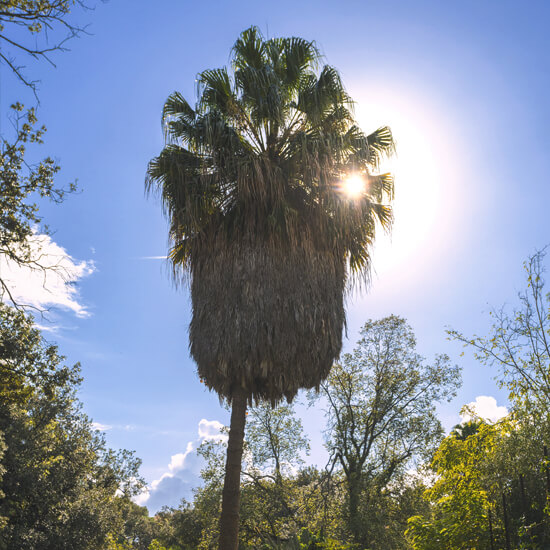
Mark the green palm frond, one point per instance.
(249, 50)
(176, 106)
(216, 91)
(380, 144)
(265, 149)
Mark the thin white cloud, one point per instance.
(54, 329)
(50, 285)
(484, 407)
(183, 471)
(152, 258)
(101, 427)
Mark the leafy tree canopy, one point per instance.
(380, 405)
(62, 487)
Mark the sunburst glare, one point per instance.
(353, 186)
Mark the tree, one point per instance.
(519, 344)
(381, 415)
(41, 18)
(489, 490)
(19, 216)
(461, 502)
(61, 483)
(250, 180)
(178, 528)
(275, 438)
(271, 496)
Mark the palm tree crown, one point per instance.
(250, 180)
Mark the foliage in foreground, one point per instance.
(61, 486)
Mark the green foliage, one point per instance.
(178, 528)
(479, 467)
(61, 483)
(502, 465)
(275, 438)
(460, 494)
(277, 502)
(307, 540)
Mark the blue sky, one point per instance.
(464, 87)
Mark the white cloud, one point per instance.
(52, 284)
(485, 407)
(211, 429)
(101, 427)
(183, 471)
(177, 462)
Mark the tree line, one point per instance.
(393, 480)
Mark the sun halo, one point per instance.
(353, 186)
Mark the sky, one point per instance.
(463, 86)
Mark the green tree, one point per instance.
(380, 405)
(251, 181)
(137, 529)
(61, 483)
(489, 489)
(518, 344)
(276, 439)
(461, 503)
(174, 528)
(271, 497)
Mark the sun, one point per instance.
(353, 186)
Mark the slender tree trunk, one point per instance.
(491, 537)
(547, 470)
(506, 526)
(353, 494)
(229, 519)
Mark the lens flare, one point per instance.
(354, 186)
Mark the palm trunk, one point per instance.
(229, 519)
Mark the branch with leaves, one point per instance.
(519, 343)
(44, 21)
(20, 218)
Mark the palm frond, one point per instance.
(176, 106)
(216, 91)
(249, 49)
(380, 143)
(381, 187)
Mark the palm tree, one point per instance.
(250, 181)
